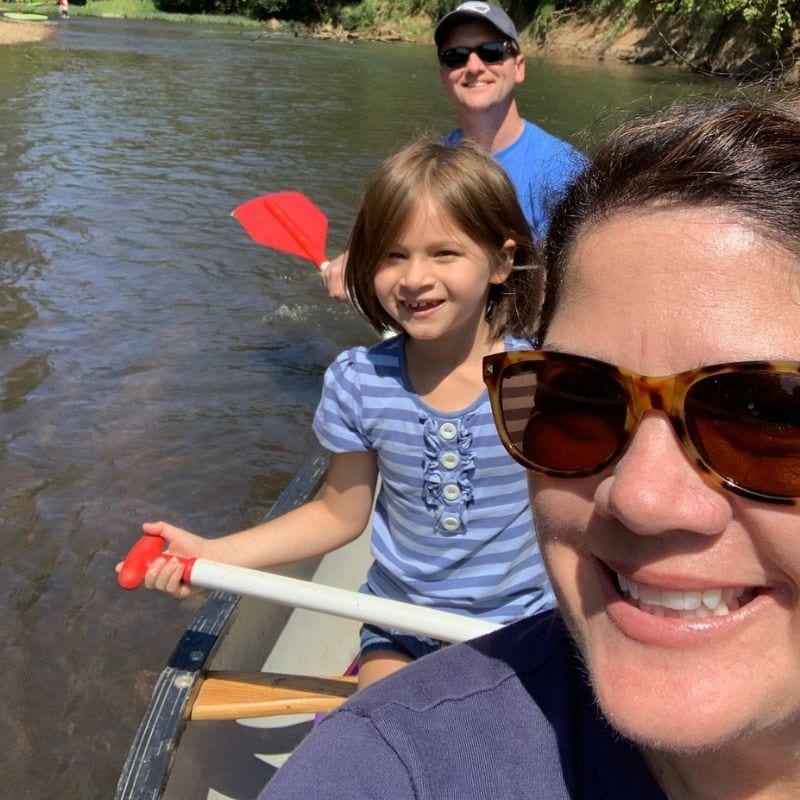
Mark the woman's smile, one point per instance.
(684, 603)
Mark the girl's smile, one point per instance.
(420, 307)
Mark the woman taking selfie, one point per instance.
(660, 424)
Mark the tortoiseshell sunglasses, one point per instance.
(570, 416)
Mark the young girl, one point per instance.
(432, 254)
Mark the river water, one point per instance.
(154, 362)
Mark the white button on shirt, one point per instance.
(448, 431)
(451, 492)
(450, 523)
(449, 460)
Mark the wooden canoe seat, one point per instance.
(239, 695)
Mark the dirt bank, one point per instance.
(13, 32)
(659, 39)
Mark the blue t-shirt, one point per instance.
(452, 525)
(540, 166)
(508, 716)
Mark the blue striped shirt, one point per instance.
(452, 526)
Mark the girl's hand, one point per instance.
(165, 573)
(178, 541)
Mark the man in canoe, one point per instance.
(480, 65)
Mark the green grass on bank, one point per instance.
(132, 9)
(354, 19)
(125, 9)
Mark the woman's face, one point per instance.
(661, 291)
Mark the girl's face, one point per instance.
(660, 291)
(434, 281)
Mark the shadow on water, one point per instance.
(153, 361)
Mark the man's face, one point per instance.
(478, 87)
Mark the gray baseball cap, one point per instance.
(475, 10)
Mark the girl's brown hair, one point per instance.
(467, 185)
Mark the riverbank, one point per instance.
(16, 32)
(648, 38)
(738, 52)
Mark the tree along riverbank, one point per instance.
(722, 46)
(730, 49)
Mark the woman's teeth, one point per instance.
(685, 605)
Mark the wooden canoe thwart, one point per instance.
(237, 695)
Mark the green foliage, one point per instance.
(300, 10)
(542, 19)
(626, 7)
(372, 13)
(358, 16)
(303, 10)
(775, 18)
(619, 10)
(436, 9)
(185, 6)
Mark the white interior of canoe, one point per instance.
(233, 760)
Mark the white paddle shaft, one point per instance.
(339, 602)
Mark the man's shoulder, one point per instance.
(532, 134)
(454, 136)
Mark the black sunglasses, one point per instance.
(488, 52)
(570, 417)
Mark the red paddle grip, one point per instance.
(141, 556)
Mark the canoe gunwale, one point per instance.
(146, 768)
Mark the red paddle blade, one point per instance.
(286, 221)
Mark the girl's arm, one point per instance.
(315, 528)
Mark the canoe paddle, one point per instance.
(292, 592)
(286, 221)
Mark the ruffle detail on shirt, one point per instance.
(449, 516)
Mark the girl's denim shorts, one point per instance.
(408, 644)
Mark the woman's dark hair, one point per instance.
(468, 186)
(740, 155)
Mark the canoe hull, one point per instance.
(228, 633)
